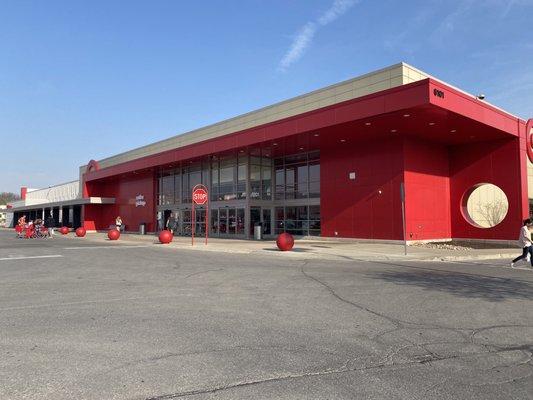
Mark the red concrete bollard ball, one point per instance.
(80, 232)
(285, 241)
(63, 230)
(165, 237)
(113, 234)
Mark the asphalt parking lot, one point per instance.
(85, 320)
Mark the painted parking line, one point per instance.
(30, 257)
(118, 246)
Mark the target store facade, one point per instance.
(347, 161)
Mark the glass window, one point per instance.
(195, 178)
(290, 182)
(314, 171)
(177, 188)
(226, 175)
(314, 213)
(205, 177)
(298, 220)
(166, 190)
(255, 181)
(255, 172)
(290, 213)
(296, 158)
(314, 189)
(280, 183)
(301, 213)
(241, 176)
(266, 182)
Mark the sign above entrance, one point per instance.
(199, 196)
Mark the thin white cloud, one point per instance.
(305, 35)
(338, 8)
(300, 43)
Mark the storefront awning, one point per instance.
(66, 203)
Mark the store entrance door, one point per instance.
(260, 215)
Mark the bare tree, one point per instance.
(492, 212)
(6, 197)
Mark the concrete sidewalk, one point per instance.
(314, 248)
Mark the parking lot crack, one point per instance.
(203, 272)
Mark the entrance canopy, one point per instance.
(67, 203)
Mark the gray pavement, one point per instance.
(94, 319)
(322, 248)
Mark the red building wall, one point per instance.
(124, 190)
(495, 162)
(369, 206)
(427, 190)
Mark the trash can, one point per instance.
(258, 231)
(142, 228)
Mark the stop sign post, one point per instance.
(200, 197)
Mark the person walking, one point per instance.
(524, 240)
(118, 223)
(22, 221)
(160, 222)
(50, 223)
(172, 223)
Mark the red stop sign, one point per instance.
(199, 196)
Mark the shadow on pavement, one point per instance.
(295, 250)
(487, 288)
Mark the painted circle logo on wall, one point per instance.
(92, 165)
(529, 139)
(199, 196)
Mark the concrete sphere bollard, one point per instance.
(113, 234)
(165, 237)
(285, 241)
(80, 232)
(63, 230)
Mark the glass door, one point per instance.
(232, 221)
(240, 221)
(255, 217)
(214, 221)
(223, 221)
(266, 221)
(199, 228)
(185, 223)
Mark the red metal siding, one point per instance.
(495, 162)
(124, 190)
(427, 188)
(356, 208)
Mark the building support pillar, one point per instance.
(60, 215)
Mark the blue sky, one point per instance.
(88, 79)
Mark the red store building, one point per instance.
(333, 163)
